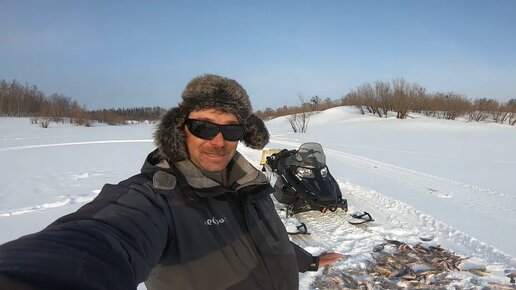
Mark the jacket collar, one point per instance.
(240, 174)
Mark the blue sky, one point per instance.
(142, 53)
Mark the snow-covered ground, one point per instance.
(452, 181)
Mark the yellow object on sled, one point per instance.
(267, 152)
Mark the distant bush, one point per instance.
(300, 117)
(402, 97)
(398, 95)
(18, 100)
(44, 123)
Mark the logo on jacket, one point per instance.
(215, 221)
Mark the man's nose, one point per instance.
(218, 140)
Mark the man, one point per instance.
(198, 216)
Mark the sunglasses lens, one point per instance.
(203, 130)
(233, 132)
(207, 131)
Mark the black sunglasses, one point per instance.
(207, 130)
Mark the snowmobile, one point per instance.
(302, 181)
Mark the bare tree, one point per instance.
(482, 108)
(366, 92)
(300, 119)
(499, 114)
(315, 100)
(353, 99)
(44, 123)
(326, 104)
(455, 106)
(19, 100)
(511, 108)
(79, 115)
(383, 96)
(401, 97)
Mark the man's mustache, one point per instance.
(217, 151)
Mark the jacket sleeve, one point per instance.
(112, 242)
(305, 260)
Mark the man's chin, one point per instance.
(214, 166)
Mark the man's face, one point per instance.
(211, 155)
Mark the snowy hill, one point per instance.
(451, 181)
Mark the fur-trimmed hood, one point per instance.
(208, 92)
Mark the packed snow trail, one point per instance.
(417, 188)
(51, 172)
(395, 219)
(74, 144)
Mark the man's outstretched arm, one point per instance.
(111, 243)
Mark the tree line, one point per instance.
(23, 100)
(379, 98)
(402, 97)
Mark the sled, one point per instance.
(303, 182)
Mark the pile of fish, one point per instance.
(397, 265)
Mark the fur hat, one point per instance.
(208, 92)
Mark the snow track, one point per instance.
(63, 201)
(51, 172)
(73, 144)
(409, 189)
(435, 185)
(400, 220)
(394, 220)
(457, 192)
